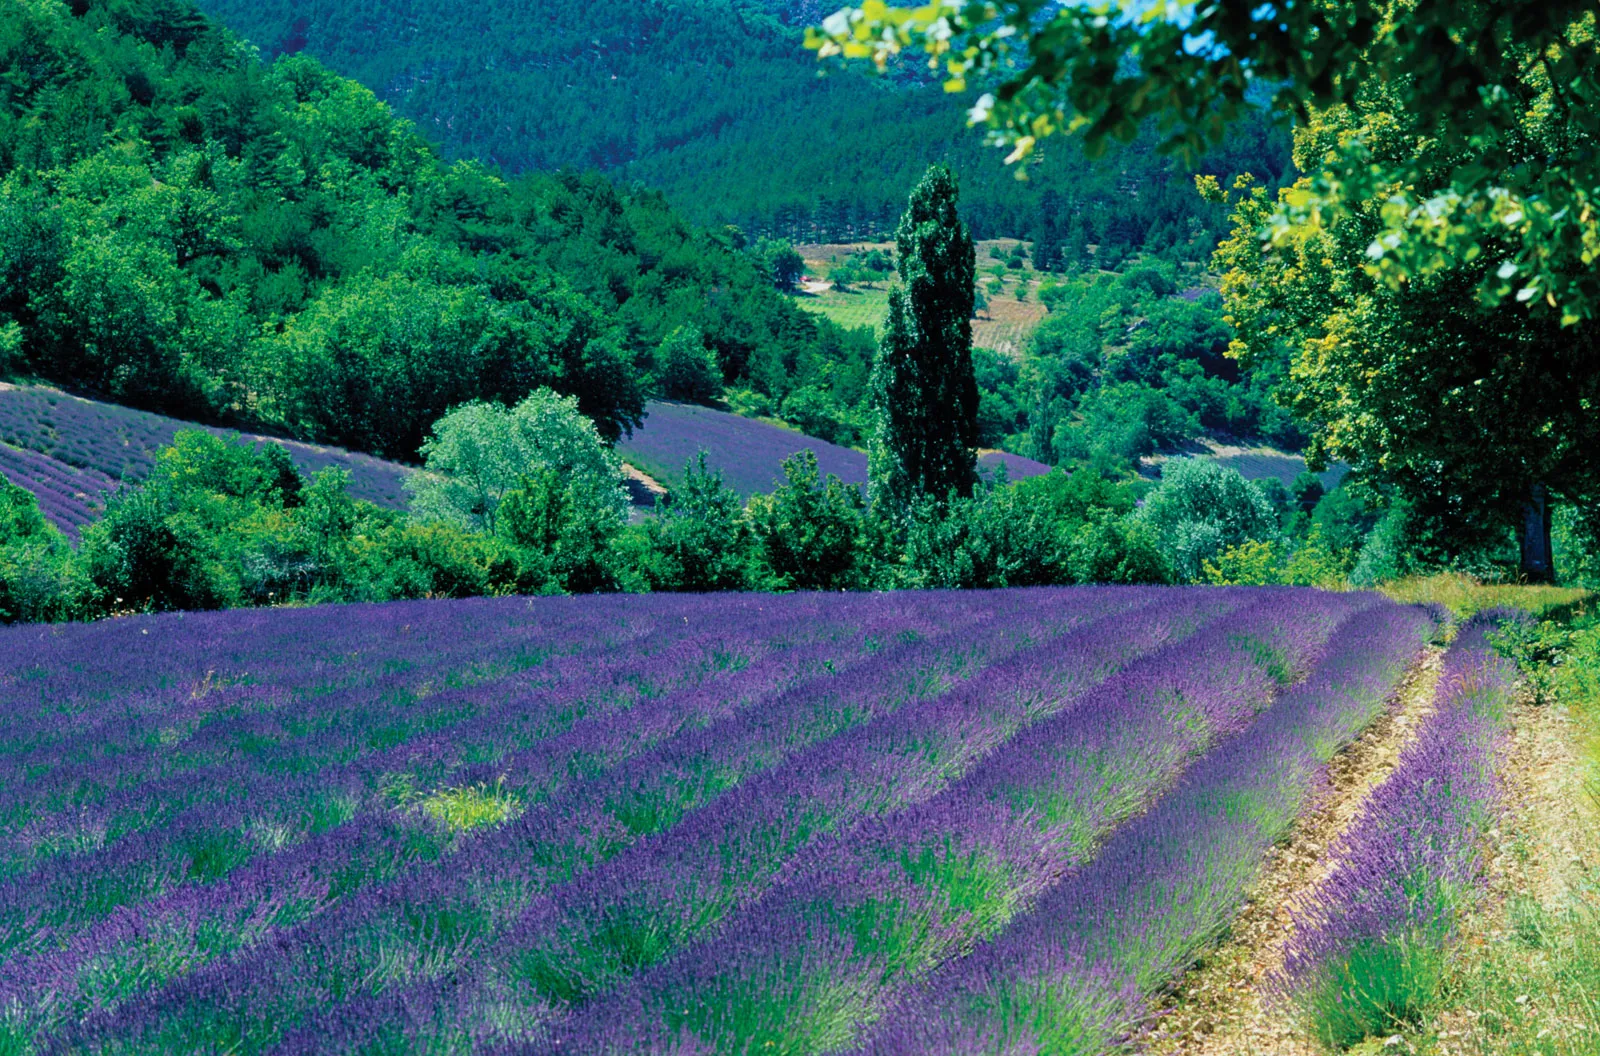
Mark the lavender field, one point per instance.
(69, 496)
(1369, 944)
(750, 453)
(68, 451)
(909, 823)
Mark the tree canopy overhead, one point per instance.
(1477, 418)
(1509, 90)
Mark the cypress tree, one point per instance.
(924, 394)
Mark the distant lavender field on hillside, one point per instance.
(896, 823)
(91, 446)
(68, 496)
(750, 453)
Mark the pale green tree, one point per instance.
(1201, 509)
(479, 453)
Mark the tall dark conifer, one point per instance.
(925, 397)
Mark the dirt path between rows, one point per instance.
(1219, 1008)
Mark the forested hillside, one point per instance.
(186, 229)
(719, 106)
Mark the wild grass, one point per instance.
(1536, 993)
(1463, 595)
(471, 806)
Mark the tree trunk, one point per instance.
(1538, 559)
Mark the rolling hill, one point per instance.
(750, 452)
(67, 450)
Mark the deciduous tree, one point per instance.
(480, 452)
(1481, 418)
(1471, 78)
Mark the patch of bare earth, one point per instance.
(1222, 1007)
(644, 491)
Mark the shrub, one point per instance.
(1001, 537)
(565, 532)
(479, 452)
(1111, 549)
(35, 575)
(1250, 563)
(698, 540)
(148, 553)
(1386, 554)
(1201, 509)
(412, 559)
(810, 532)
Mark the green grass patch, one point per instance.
(471, 807)
(1463, 595)
(859, 307)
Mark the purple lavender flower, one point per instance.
(919, 822)
(1368, 947)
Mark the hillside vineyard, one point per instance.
(623, 824)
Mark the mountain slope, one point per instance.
(717, 103)
(186, 230)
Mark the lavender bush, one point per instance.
(1368, 949)
(587, 936)
(874, 911)
(1073, 975)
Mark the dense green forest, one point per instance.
(186, 229)
(1127, 364)
(717, 104)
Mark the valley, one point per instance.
(717, 527)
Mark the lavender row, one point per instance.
(1368, 945)
(666, 891)
(166, 680)
(123, 772)
(215, 796)
(585, 824)
(67, 496)
(1072, 975)
(880, 908)
(586, 749)
(195, 823)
